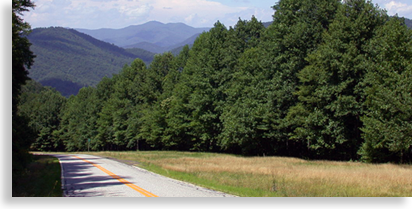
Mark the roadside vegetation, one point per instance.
(42, 178)
(274, 176)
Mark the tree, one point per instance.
(296, 32)
(246, 113)
(330, 94)
(22, 59)
(79, 121)
(387, 129)
(120, 113)
(42, 106)
(22, 56)
(196, 105)
(153, 116)
(239, 132)
(265, 78)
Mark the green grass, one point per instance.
(42, 178)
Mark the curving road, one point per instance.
(92, 176)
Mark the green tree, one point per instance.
(330, 95)
(239, 131)
(154, 113)
(387, 122)
(175, 133)
(265, 78)
(79, 121)
(245, 116)
(118, 121)
(296, 32)
(22, 56)
(42, 106)
(22, 59)
(195, 108)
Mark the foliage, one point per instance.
(22, 59)
(41, 106)
(22, 56)
(387, 122)
(330, 95)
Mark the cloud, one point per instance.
(402, 9)
(192, 12)
(135, 12)
(95, 14)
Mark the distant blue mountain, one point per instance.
(408, 23)
(152, 36)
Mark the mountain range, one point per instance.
(69, 60)
(153, 36)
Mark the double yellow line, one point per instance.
(124, 181)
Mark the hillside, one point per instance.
(69, 60)
(152, 36)
(408, 23)
(175, 49)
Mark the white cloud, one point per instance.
(133, 12)
(192, 12)
(402, 9)
(95, 14)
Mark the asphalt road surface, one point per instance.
(92, 176)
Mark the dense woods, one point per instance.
(22, 59)
(328, 79)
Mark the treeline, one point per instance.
(22, 59)
(328, 79)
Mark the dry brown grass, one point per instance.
(277, 176)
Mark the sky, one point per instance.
(95, 14)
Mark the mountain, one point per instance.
(152, 36)
(69, 60)
(267, 24)
(408, 23)
(158, 49)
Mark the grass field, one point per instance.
(275, 176)
(41, 179)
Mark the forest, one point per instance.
(328, 79)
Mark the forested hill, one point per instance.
(69, 60)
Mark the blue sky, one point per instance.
(94, 14)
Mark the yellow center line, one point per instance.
(122, 180)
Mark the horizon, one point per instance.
(154, 21)
(118, 14)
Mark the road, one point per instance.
(92, 176)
